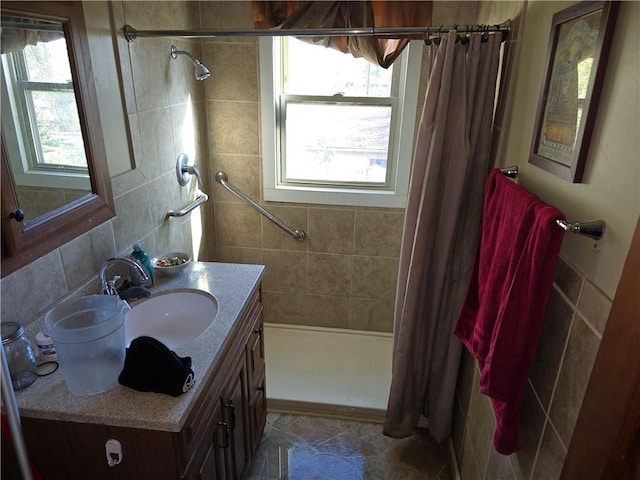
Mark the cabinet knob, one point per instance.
(18, 215)
(259, 331)
(261, 388)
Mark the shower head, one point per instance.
(202, 72)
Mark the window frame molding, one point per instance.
(27, 170)
(401, 140)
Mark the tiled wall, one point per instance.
(344, 275)
(574, 322)
(163, 102)
(573, 327)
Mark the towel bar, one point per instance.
(594, 229)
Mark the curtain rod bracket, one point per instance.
(130, 33)
(505, 28)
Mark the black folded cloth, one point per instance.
(149, 366)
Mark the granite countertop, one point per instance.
(231, 284)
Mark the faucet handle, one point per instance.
(109, 288)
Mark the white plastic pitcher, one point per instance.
(88, 333)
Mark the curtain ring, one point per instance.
(464, 39)
(436, 40)
(484, 36)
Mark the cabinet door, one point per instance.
(255, 349)
(234, 413)
(209, 462)
(257, 414)
(257, 381)
(76, 451)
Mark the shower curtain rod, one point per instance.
(132, 34)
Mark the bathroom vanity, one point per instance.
(209, 432)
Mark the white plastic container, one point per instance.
(46, 348)
(89, 336)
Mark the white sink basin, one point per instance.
(174, 317)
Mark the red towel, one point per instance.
(502, 316)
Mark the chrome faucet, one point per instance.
(109, 286)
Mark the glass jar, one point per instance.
(20, 357)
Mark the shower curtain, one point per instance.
(441, 230)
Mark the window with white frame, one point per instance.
(336, 129)
(42, 127)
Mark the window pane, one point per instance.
(48, 62)
(337, 143)
(314, 70)
(58, 128)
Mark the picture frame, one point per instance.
(577, 56)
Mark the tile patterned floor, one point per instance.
(297, 447)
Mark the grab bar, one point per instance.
(222, 178)
(200, 199)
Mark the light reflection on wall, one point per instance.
(187, 131)
(196, 231)
(187, 144)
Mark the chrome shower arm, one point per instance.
(202, 72)
(175, 52)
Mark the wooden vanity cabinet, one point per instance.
(239, 413)
(217, 442)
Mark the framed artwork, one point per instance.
(577, 56)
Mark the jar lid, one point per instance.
(10, 331)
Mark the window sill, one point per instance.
(358, 198)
